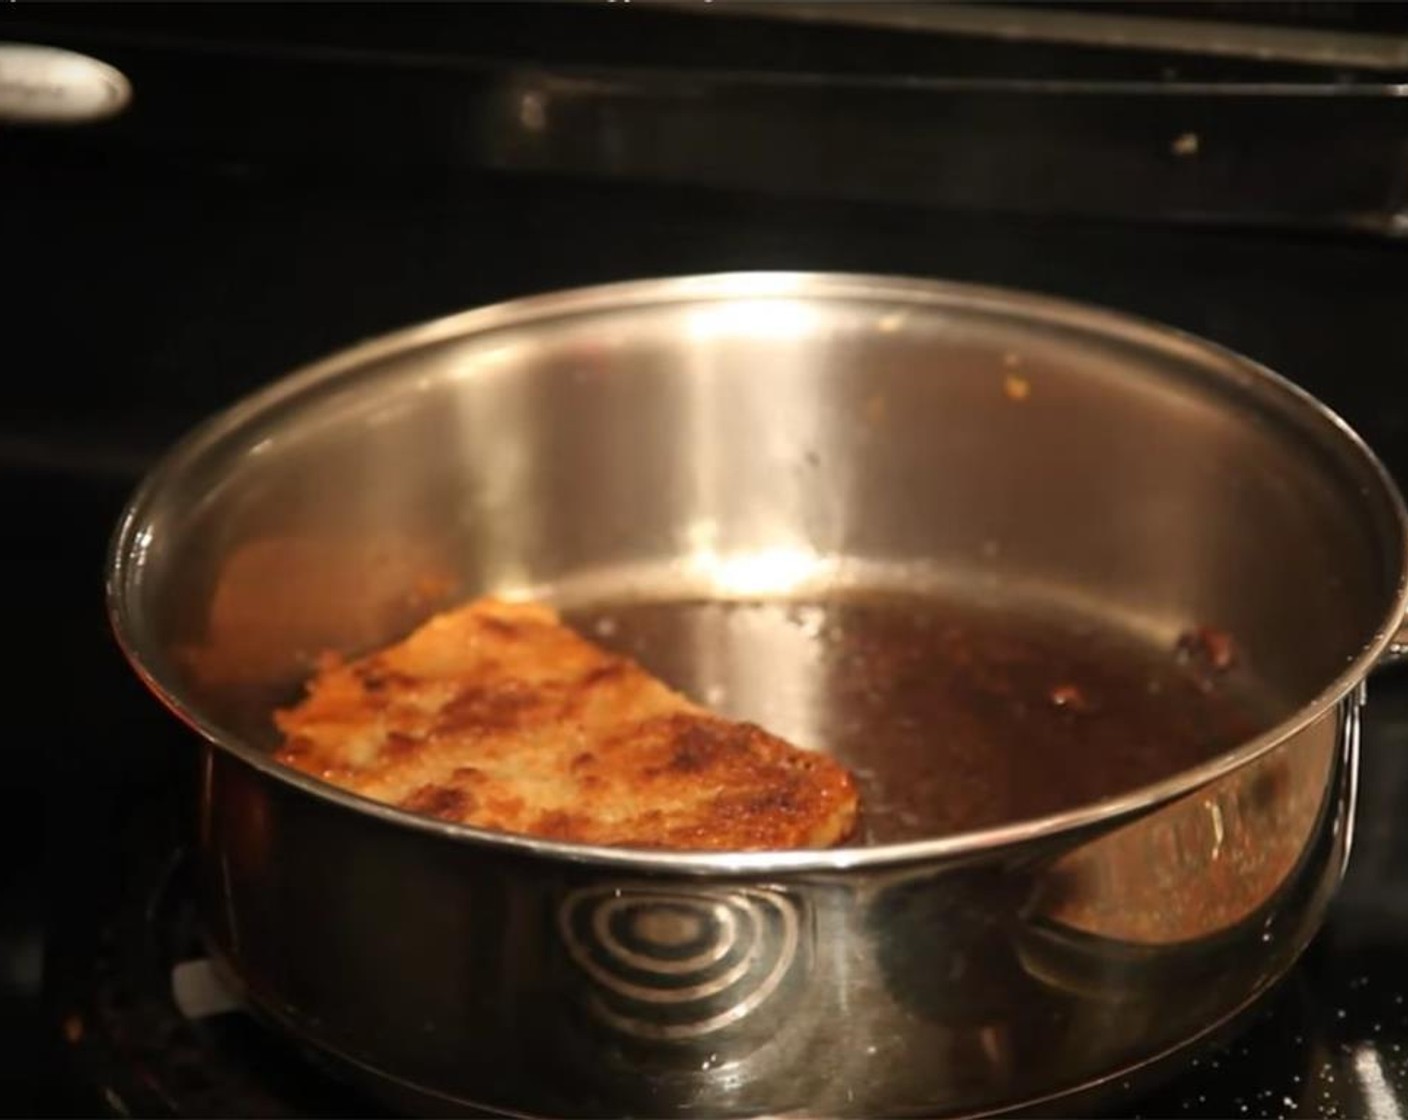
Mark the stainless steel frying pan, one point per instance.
(899, 520)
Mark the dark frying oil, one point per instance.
(951, 717)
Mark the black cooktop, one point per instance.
(153, 291)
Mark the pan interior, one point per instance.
(955, 711)
(921, 515)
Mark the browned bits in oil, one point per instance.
(943, 708)
(1069, 697)
(1209, 647)
(1016, 388)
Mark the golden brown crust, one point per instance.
(497, 715)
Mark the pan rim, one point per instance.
(124, 565)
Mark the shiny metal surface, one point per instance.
(785, 439)
(1207, 150)
(1108, 31)
(44, 85)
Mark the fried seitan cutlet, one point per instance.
(497, 715)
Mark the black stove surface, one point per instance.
(152, 295)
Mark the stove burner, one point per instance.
(163, 1036)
